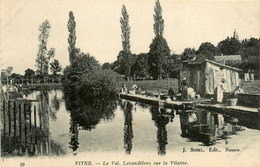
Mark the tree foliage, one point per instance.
(158, 25)
(29, 73)
(55, 67)
(209, 47)
(43, 55)
(188, 54)
(229, 46)
(159, 51)
(126, 52)
(72, 37)
(140, 68)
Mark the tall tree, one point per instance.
(159, 49)
(72, 37)
(125, 29)
(43, 55)
(158, 25)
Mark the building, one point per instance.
(204, 76)
(228, 59)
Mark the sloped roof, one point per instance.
(228, 58)
(190, 62)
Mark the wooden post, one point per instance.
(40, 116)
(35, 130)
(20, 127)
(4, 117)
(9, 119)
(30, 124)
(14, 125)
(40, 122)
(25, 128)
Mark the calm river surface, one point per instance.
(127, 127)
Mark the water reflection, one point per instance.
(128, 127)
(86, 115)
(78, 126)
(161, 117)
(207, 127)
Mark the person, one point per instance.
(124, 89)
(184, 89)
(171, 93)
(218, 92)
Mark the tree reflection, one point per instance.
(128, 128)
(87, 114)
(161, 119)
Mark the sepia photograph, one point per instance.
(132, 83)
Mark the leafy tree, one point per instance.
(140, 68)
(172, 65)
(123, 62)
(125, 29)
(159, 49)
(229, 46)
(207, 46)
(72, 37)
(29, 73)
(188, 54)
(83, 64)
(106, 66)
(55, 67)
(43, 55)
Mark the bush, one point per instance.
(99, 84)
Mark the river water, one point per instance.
(127, 127)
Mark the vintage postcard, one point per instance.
(129, 83)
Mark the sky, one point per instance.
(187, 24)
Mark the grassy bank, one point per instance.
(251, 87)
(153, 85)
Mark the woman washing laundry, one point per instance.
(218, 92)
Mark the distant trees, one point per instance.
(55, 67)
(29, 73)
(159, 49)
(106, 66)
(209, 47)
(229, 46)
(140, 68)
(43, 55)
(188, 54)
(72, 37)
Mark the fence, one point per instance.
(25, 127)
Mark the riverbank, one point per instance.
(153, 86)
(44, 86)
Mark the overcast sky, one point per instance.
(187, 24)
